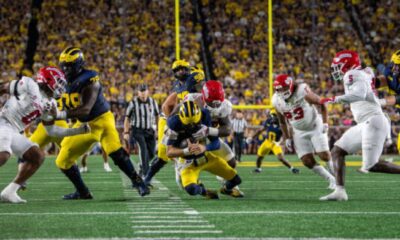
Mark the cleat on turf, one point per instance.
(257, 170)
(77, 196)
(142, 187)
(107, 167)
(295, 170)
(11, 197)
(210, 194)
(235, 192)
(338, 195)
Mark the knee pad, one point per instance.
(119, 156)
(193, 189)
(236, 180)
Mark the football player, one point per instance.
(188, 80)
(295, 104)
(391, 79)
(29, 100)
(84, 100)
(271, 143)
(372, 126)
(196, 155)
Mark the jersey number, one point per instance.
(71, 100)
(272, 136)
(30, 117)
(298, 114)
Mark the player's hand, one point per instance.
(86, 128)
(50, 108)
(325, 128)
(249, 140)
(289, 144)
(126, 136)
(201, 133)
(322, 101)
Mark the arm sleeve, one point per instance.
(54, 131)
(214, 144)
(357, 92)
(128, 112)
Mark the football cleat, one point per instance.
(107, 167)
(211, 194)
(77, 196)
(338, 195)
(83, 170)
(295, 170)
(143, 189)
(257, 170)
(332, 184)
(235, 192)
(11, 197)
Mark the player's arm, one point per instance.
(4, 87)
(315, 99)
(55, 131)
(357, 91)
(284, 127)
(169, 104)
(224, 129)
(88, 99)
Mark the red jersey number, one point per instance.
(298, 114)
(31, 117)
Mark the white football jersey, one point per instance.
(223, 111)
(300, 114)
(360, 94)
(26, 103)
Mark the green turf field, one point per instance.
(277, 204)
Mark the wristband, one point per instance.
(186, 151)
(213, 132)
(61, 115)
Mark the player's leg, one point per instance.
(189, 179)
(372, 145)
(150, 147)
(262, 151)
(110, 141)
(159, 162)
(305, 151)
(277, 151)
(71, 149)
(219, 167)
(320, 143)
(104, 155)
(349, 143)
(84, 168)
(33, 157)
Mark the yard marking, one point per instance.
(175, 226)
(179, 231)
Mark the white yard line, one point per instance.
(153, 214)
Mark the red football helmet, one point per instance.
(284, 86)
(344, 61)
(213, 93)
(53, 78)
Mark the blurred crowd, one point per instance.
(133, 41)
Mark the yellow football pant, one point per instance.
(214, 165)
(266, 148)
(103, 130)
(41, 138)
(162, 148)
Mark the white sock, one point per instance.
(12, 187)
(320, 170)
(329, 166)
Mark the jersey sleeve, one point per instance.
(129, 109)
(356, 88)
(173, 125)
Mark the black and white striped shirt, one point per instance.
(239, 125)
(141, 114)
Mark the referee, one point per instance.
(141, 116)
(239, 125)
